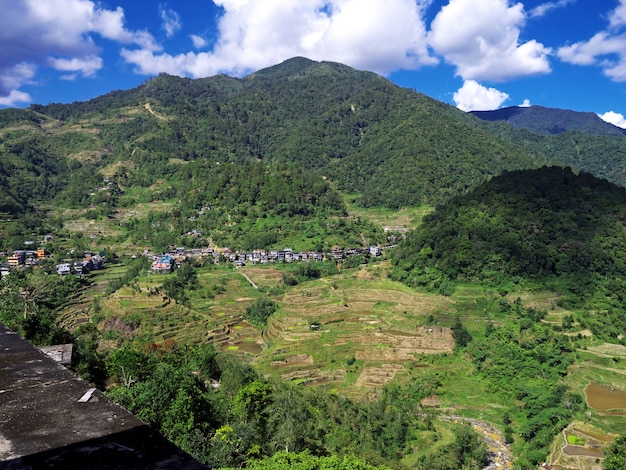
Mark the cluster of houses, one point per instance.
(30, 258)
(165, 263)
(90, 262)
(22, 258)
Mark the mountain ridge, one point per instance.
(551, 121)
(384, 145)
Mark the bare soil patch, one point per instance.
(577, 450)
(377, 377)
(603, 398)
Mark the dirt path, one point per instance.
(249, 280)
(151, 111)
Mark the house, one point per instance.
(17, 258)
(5, 270)
(97, 262)
(163, 265)
(63, 269)
(80, 268)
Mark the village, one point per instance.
(167, 262)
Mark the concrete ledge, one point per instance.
(43, 423)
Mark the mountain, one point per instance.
(551, 121)
(392, 146)
(546, 227)
(183, 145)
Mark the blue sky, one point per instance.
(474, 54)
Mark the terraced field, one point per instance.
(368, 327)
(353, 331)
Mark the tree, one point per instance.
(260, 311)
(462, 337)
(615, 454)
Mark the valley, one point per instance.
(489, 332)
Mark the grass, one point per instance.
(575, 440)
(400, 220)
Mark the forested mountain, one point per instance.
(550, 121)
(544, 227)
(382, 144)
(269, 161)
(392, 146)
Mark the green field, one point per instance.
(369, 332)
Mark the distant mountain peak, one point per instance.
(550, 121)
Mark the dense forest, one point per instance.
(546, 228)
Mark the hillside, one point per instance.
(545, 228)
(366, 134)
(550, 121)
(508, 319)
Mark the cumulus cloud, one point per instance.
(525, 104)
(481, 39)
(58, 34)
(88, 65)
(366, 34)
(198, 41)
(605, 49)
(171, 20)
(12, 77)
(15, 97)
(614, 118)
(473, 96)
(544, 8)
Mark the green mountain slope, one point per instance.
(384, 145)
(392, 145)
(547, 227)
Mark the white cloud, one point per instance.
(366, 34)
(59, 34)
(614, 118)
(13, 77)
(481, 38)
(473, 96)
(525, 104)
(15, 97)
(606, 49)
(618, 16)
(544, 8)
(198, 41)
(171, 21)
(110, 25)
(87, 66)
